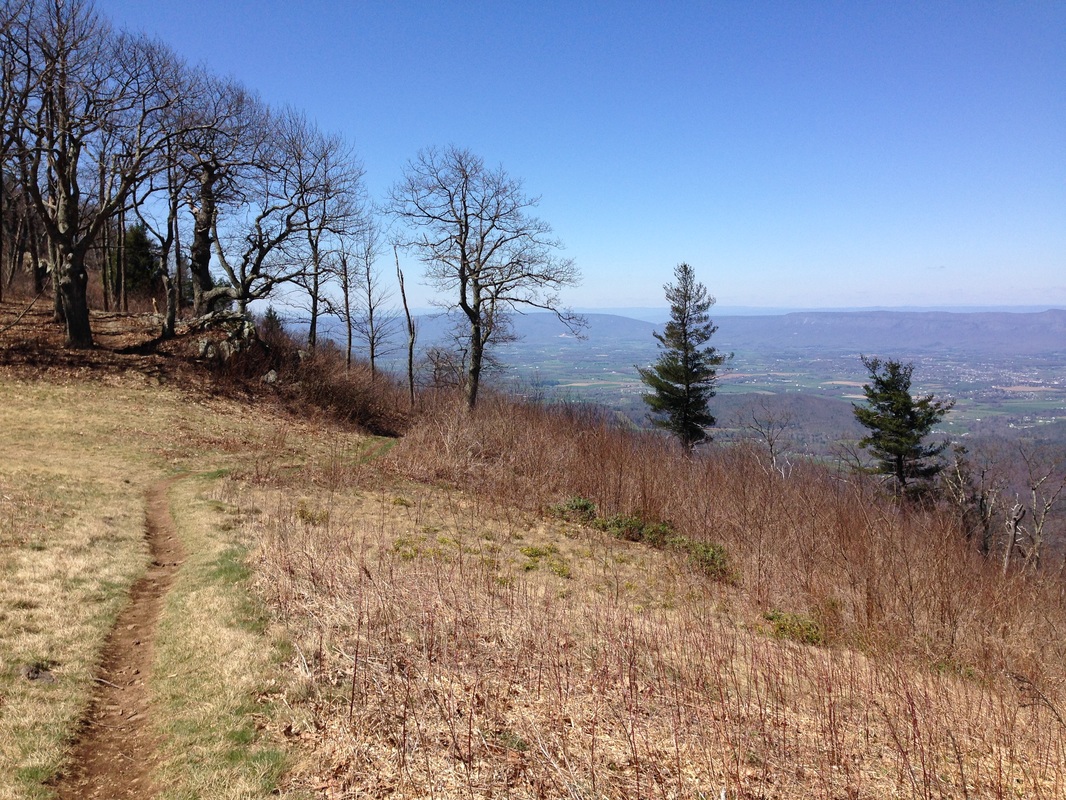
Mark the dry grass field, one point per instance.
(521, 603)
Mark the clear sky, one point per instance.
(797, 154)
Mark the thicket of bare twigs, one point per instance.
(870, 573)
(549, 628)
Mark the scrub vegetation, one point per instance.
(522, 601)
(373, 591)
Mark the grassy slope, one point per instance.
(75, 462)
(72, 543)
(433, 643)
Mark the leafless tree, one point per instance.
(262, 246)
(770, 427)
(1044, 484)
(344, 268)
(8, 116)
(445, 367)
(411, 331)
(157, 202)
(329, 177)
(220, 154)
(369, 320)
(973, 483)
(88, 97)
(471, 227)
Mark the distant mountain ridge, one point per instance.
(993, 332)
(888, 333)
(895, 334)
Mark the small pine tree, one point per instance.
(142, 261)
(682, 381)
(271, 327)
(898, 425)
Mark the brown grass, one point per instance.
(453, 631)
(874, 576)
(432, 660)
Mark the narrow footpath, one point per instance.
(115, 754)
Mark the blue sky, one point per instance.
(801, 155)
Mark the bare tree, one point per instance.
(973, 483)
(471, 227)
(411, 331)
(770, 427)
(344, 269)
(88, 97)
(1044, 484)
(157, 202)
(330, 183)
(219, 156)
(262, 246)
(8, 116)
(372, 324)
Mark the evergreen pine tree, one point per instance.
(271, 327)
(682, 381)
(898, 425)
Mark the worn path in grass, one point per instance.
(114, 755)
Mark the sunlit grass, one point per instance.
(71, 545)
(215, 662)
(76, 461)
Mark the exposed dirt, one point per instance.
(114, 755)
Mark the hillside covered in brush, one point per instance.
(518, 601)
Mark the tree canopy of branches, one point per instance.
(364, 292)
(899, 424)
(683, 380)
(99, 123)
(472, 228)
(86, 121)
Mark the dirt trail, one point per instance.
(114, 755)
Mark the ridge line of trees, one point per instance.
(104, 131)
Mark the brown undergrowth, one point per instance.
(530, 602)
(469, 642)
(870, 574)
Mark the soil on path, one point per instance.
(114, 755)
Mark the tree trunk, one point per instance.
(73, 282)
(312, 331)
(473, 375)
(40, 272)
(346, 295)
(3, 228)
(105, 259)
(410, 331)
(200, 249)
(170, 313)
(477, 348)
(123, 297)
(1013, 523)
(55, 267)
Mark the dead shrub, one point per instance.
(876, 576)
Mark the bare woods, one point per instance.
(108, 135)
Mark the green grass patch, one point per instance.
(548, 556)
(709, 558)
(215, 662)
(795, 627)
(575, 509)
